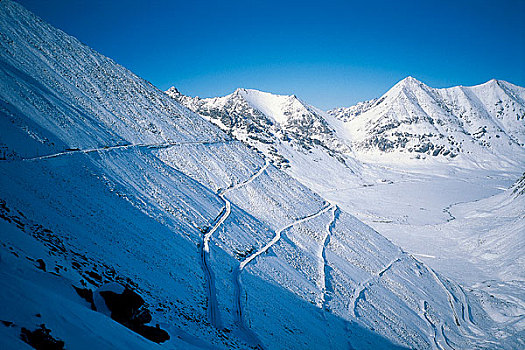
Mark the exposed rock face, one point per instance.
(41, 339)
(267, 121)
(129, 309)
(519, 186)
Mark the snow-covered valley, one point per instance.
(254, 223)
(454, 210)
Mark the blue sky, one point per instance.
(329, 53)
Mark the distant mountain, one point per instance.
(112, 190)
(269, 122)
(295, 136)
(471, 127)
(481, 124)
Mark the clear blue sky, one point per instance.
(329, 53)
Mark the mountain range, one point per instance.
(481, 124)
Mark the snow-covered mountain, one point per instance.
(293, 135)
(425, 193)
(482, 124)
(108, 183)
(269, 122)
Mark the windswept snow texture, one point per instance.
(107, 179)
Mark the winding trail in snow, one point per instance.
(358, 294)
(135, 145)
(213, 312)
(211, 293)
(222, 193)
(324, 272)
(239, 317)
(468, 328)
(278, 233)
(250, 336)
(325, 269)
(450, 297)
(212, 307)
(435, 329)
(447, 210)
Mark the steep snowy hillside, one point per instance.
(113, 191)
(483, 125)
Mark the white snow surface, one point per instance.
(106, 179)
(428, 168)
(482, 126)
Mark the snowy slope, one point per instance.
(409, 192)
(107, 179)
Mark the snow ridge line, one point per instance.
(211, 294)
(278, 233)
(138, 145)
(325, 270)
(363, 285)
(213, 312)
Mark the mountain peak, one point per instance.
(173, 91)
(409, 81)
(495, 82)
(240, 91)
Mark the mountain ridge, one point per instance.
(410, 121)
(415, 118)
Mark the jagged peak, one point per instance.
(173, 91)
(239, 91)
